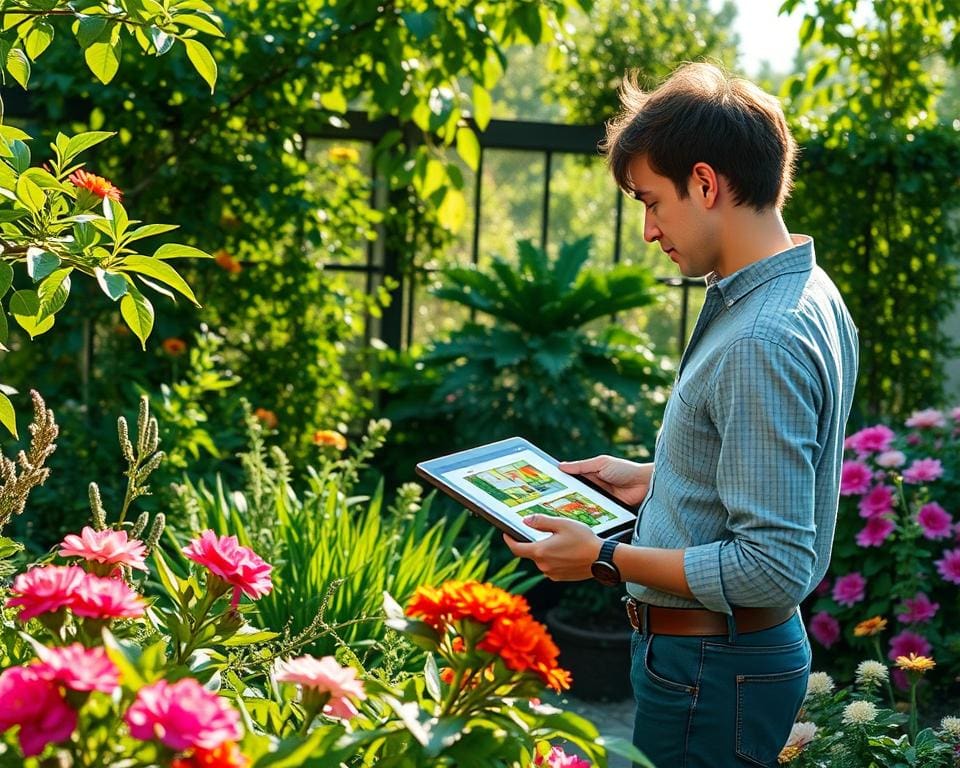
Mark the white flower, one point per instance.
(801, 734)
(872, 673)
(951, 725)
(820, 684)
(859, 713)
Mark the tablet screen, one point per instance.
(512, 479)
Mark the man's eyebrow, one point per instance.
(639, 194)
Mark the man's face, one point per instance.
(681, 226)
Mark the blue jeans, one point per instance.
(718, 701)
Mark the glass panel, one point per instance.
(582, 203)
(512, 207)
(434, 318)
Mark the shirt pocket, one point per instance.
(683, 429)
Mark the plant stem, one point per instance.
(913, 710)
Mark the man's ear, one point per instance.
(704, 184)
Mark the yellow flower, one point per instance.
(789, 753)
(914, 663)
(330, 437)
(870, 627)
(344, 155)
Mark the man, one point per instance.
(739, 505)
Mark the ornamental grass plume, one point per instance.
(230, 565)
(324, 685)
(182, 716)
(37, 706)
(18, 479)
(107, 548)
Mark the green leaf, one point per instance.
(178, 251)
(421, 25)
(103, 59)
(202, 61)
(8, 418)
(334, 100)
(82, 142)
(21, 156)
(18, 65)
(468, 147)
(10, 133)
(148, 230)
(6, 277)
(249, 638)
(126, 656)
(41, 263)
(38, 38)
(482, 107)
(30, 195)
(111, 283)
(137, 311)
(431, 677)
(53, 292)
(116, 214)
(25, 308)
(4, 331)
(89, 29)
(199, 23)
(163, 272)
(161, 41)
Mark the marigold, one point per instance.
(456, 600)
(95, 184)
(914, 663)
(330, 437)
(524, 645)
(870, 627)
(174, 346)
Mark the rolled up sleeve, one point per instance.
(764, 404)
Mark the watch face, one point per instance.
(606, 573)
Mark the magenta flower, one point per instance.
(855, 478)
(908, 642)
(935, 521)
(891, 459)
(107, 547)
(182, 715)
(955, 413)
(918, 610)
(823, 588)
(949, 565)
(557, 758)
(923, 471)
(878, 501)
(874, 439)
(78, 668)
(876, 531)
(926, 419)
(45, 589)
(37, 706)
(326, 677)
(825, 629)
(850, 589)
(239, 567)
(99, 597)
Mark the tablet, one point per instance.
(505, 481)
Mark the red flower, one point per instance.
(227, 755)
(95, 184)
(174, 346)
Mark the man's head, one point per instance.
(700, 115)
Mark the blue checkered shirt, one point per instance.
(747, 463)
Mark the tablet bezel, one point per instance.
(432, 470)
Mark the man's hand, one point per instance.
(625, 480)
(564, 556)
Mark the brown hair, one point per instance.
(700, 114)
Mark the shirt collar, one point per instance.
(799, 258)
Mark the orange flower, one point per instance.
(226, 755)
(330, 437)
(524, 644)
(226, 262)
(914, 663)
(269, 418)
(456, 600)
(174, 346)
(95, 184)
(870, 627)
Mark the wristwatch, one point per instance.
(603, 569)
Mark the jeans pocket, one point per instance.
(767, 705)
(674, 669)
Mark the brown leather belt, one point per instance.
(700, 621)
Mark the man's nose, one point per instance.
(651, 232)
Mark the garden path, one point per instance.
(612, 718)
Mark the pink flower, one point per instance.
(935, 521)
(878, 501)
(109, 547)
(891, 459)
(955, 413)
(240, 567)
(917, 610)
(849, 590)
(182, 715)
(949, 565)
(870, 439)
(923, 471)
(913, 439)
(45, 589)
(823, 588)
(37, 707)
(78, 668)
(908, 642)
(926, 419)
(557, 758)
(99, 597)
(875, 532)
(825, 629)
(324, 676)
(855, 478)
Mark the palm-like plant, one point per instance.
(542, 368)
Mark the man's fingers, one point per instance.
(583, 466)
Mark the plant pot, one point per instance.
(597, 658)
